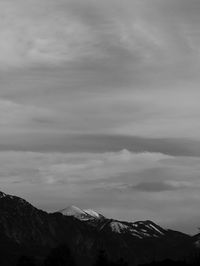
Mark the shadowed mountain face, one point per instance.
(26, 230)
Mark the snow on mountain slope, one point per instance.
(22, 225)
(118, 227)
(92, 213)
(141, 229)
(83, 215)
(73, 211)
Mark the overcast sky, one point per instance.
(99, 106)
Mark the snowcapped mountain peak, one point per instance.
(74, 211)
(80, 213)
(118, 227)
(140, 229)
(92, 213)
(23, 225)
(150, 228)
(71, 210)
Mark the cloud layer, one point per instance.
(108, 67)
(98, 97)
(123, 185)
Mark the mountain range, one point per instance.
(26, 230)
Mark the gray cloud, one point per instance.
(102, 93)
(153, 187)
(56, 142)
(120, 67)
(113, 183)
(160, 186)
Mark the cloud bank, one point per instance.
(101, 68)
(99, 100)
(123, 185)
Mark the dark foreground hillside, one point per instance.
(62, 256)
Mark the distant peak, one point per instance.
(71, 210)
(80, 213)
(92, 213)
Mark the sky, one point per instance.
(99, 107)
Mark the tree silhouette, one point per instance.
(167, 262)
(26, 261)
(120, 262)
(60, 256)
(102, 259)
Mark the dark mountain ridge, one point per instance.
(26, 230)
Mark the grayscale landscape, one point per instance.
(99, 132)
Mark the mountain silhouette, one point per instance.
(28, 231)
